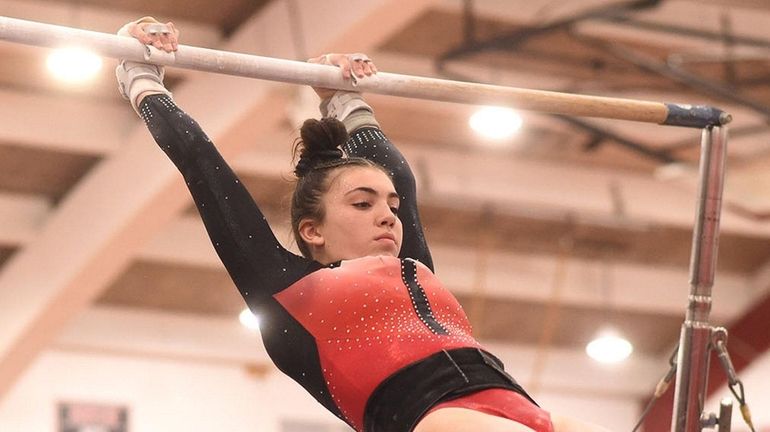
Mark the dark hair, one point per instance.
(319, 154)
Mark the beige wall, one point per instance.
(187, 373)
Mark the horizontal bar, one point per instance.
(295, 72)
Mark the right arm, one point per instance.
(253, 257)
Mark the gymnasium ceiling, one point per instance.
(564, 227)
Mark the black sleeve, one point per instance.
(253, 257)
(372, 144)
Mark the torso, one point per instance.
(367, 323)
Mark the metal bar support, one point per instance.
(696, 333)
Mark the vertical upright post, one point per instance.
(696, 331)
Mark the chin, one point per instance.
(372, 253)
(382, 252)
(388, 252)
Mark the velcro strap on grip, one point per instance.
(350, 108)
(135, 79)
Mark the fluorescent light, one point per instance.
(248, 319)
(609, 348)
(496, 123)
(74, 65)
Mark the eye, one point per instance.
(394, 210)
(362, 204)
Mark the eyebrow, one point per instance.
(372, 191)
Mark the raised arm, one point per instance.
(368, 141)
(256, 261)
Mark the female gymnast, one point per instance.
(359, 320)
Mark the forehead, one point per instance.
(355, 177)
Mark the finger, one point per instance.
(166, 42)
(157, 43)
(346, 70)
(358, 68)
(173, 36)
(136, 31)
(146, 38)
(165, 39)
(132, 29)
(373, 67)
(322, 59)
(337, 59)
(368, 68)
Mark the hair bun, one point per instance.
(319, 143)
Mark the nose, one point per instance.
(387, 218)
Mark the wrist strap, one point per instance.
(350, 108)
(135, 78)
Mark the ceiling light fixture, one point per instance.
(74, 65)
(248, 319)
(609, 348)
(496, 123)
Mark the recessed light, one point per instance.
(74, 65)
(496, 123)
(609, 348)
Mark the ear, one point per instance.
(310, 232)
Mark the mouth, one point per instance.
(387, 236)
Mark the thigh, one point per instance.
(465, 420)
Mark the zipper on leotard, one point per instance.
(419, 298)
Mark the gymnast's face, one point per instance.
(359, 217)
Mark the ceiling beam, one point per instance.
(538, 187)
(135, 332)
(635, 286)
(758, 4)
(30, 118)
(745, 187)
(72, 125)
(746, 18)
(21, 217)
(104, 221)
(130, 332)
(519, 276)
(101, 19)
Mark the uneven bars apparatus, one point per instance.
(696, 333)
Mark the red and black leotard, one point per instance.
(378, 341)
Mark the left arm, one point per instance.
(369, 142)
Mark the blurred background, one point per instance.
(553, 232)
